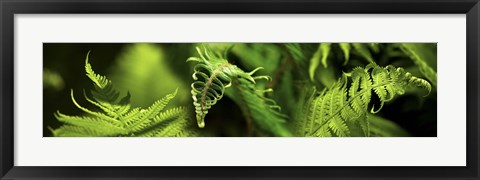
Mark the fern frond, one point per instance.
(104, 94)
(264, 112)
(158, 106)
(100, 81)
(346, 51)
(170, 114)
(296, 52)
(325, 49)
(320, 55)
(346, 102)
(77, 131)
(91, 123)
(419, 53)
(117, 118)
(175, 129)
(363, 50)
(213, 74)
(177, 121)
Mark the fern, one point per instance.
(268, 53)
(213, 74)
(320, 55)
(117, 118)
(346, 51)
(363, 49)
(295, 50)
(420, 55)
(324, 50)
(263, 111)
(336, 110)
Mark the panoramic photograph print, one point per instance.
(240, 89)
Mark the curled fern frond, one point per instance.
(211, 76)
(116, 117)
(345, 104)
(214, 74)
(420, 55)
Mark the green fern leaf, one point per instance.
(363, 50)
(323, 51)
(295, 50)
(117, 118)
(263, 111)
(158, 106)
(346, 51)
(320, 55)
(101, 81)
(335, 110)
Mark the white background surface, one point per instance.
(449, 148)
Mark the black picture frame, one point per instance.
(9, 8)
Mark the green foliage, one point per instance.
(346, 51)
(338, 109)
(117, 118)
(363, 49)
(266, 56)
(422, 55)
(213, 74)
(264, 112)
(320, 55)
(323, 52)
(296, 51)
(303, 89)
(143, 70)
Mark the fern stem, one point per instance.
(209, 83)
